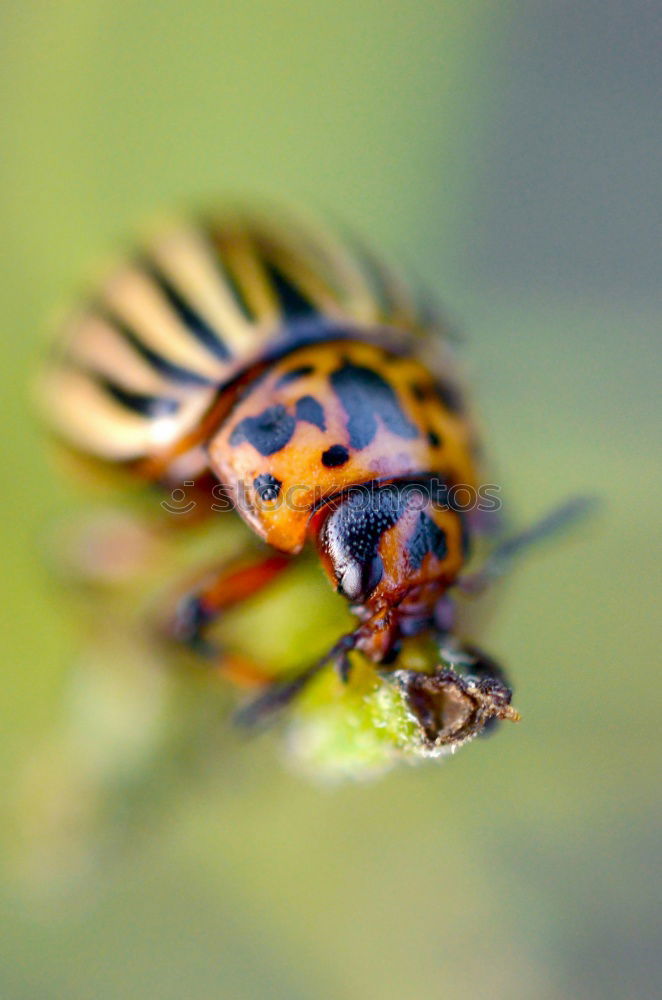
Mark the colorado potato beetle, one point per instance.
(300, 374)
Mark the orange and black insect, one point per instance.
(300, 373)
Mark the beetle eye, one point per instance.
(349, 582)
(356, 582)
(351, 537)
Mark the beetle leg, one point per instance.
(465, 658)
(209, 598)
(506, 552)
(471, 662)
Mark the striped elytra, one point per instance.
(142, 360)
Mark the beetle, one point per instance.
(295, 369)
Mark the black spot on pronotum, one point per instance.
(268, 432)
(310, 410)
(334, 456)
(365, 395)
(267, 487)
(294, 374)
(450, 396)
(427, 537)
(434, 438)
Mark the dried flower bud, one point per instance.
(450, 709)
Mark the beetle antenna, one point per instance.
(281, 692)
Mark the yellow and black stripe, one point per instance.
(138, 366)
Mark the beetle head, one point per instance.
(378, 542)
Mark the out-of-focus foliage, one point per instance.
(506, 152)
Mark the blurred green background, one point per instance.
(506, 152)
